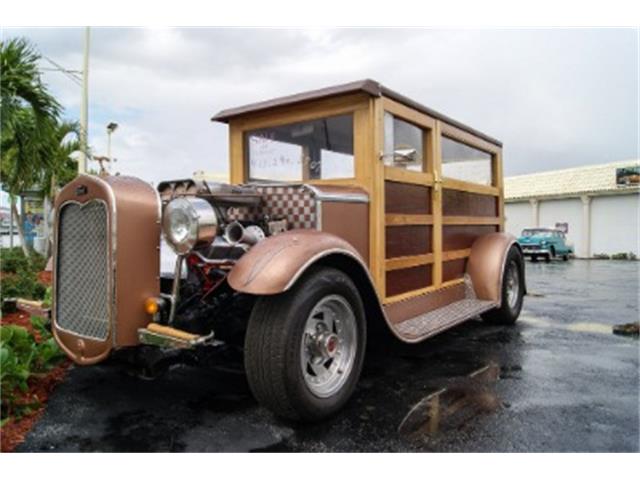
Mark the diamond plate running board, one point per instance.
(436, 321)
(432, 322)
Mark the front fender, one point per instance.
(486, 264)
(273, 265)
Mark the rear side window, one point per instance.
(463, 162)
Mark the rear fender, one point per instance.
(486, 264)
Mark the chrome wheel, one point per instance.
(513, 285)
(329, 344)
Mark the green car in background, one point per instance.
(544, 243)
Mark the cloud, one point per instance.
(556, 98)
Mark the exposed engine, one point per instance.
(200, 224)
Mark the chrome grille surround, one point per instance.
(83, 296)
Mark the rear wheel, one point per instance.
(304, 348)
(565, 257)
(512, 291)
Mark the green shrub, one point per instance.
(19, 276)
(12, 260)
(601, 256)
(620, 256)
(20, 358)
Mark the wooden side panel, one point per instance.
(458, 237)
(406, 198)
(453, 269)
(457, 202)
(406, 240)
(408, 279)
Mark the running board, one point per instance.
(168, 337)
(433, 322)
(436, 320)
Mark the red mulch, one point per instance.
(40, 387)
(13, 432)
(45, 278)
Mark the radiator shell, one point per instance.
(131, 264)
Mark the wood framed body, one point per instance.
(421, 225)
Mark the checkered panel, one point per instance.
(295, 203)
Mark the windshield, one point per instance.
(317, 149)
(536, 232)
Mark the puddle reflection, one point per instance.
(453, 406)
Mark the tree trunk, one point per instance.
(11, 221)
(18, 217)
(48, 206)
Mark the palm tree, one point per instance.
(20, 83)
(28, 117)
(65, 141)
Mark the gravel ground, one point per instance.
(558, 380)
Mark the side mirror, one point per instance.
(405, 155)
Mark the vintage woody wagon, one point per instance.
(351, 209)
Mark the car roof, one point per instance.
(544, 229)
(368, 86)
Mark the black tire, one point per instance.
(547, 258)
(273, 346)
(507, 314)
(565, 258)
(534, 259)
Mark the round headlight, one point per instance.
(189, 222)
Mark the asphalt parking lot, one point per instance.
(557, 381)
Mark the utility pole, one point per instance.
(84, 110)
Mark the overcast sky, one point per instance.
(556, 98)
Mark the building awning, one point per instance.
(591, 179)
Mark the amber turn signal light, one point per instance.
(151, 306)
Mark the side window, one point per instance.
(403, 144)
(462, 162)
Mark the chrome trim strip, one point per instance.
(347, 197)
(318, 214)
(353, 197)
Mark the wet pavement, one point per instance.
(558, 380)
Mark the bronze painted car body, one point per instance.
(401, 206)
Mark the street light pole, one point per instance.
(84, 110)
(111, 127)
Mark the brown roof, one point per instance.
(368, 86)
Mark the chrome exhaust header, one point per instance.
(235, 233)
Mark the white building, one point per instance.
(599, 205)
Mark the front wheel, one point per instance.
(512, 291)
(304, 348)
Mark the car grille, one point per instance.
(82, 274)
(531, 247)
